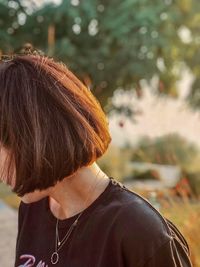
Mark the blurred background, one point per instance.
(141, 59)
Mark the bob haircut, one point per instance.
(50, 123)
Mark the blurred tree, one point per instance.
(192, 48)
(9, 14)
(109, 44)
(170, 149)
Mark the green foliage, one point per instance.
(194, 180)
(169, 149)
(4, 190)
(146, 175)
(191, 50)
(9, 24)
(109, 44)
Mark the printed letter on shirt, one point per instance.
(30, 261)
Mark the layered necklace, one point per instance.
(59, 243)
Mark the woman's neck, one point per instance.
(67, 198)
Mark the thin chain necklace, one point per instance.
(59, 243)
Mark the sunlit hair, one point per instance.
(50, 123)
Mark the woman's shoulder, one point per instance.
(144, 229)
(141, 216)
(136, 211)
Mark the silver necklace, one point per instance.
(59, 243)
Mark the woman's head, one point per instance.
(50, 123)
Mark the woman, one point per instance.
(71, 213)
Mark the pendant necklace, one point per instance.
(59, 243)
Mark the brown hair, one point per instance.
(50, 122)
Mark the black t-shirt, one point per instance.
(119, 229)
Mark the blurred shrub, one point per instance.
(194, 180)
(146, 175)
(8, 197)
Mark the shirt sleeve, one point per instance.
(173, 253)
(159, 244)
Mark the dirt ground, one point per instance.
(8, 233)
